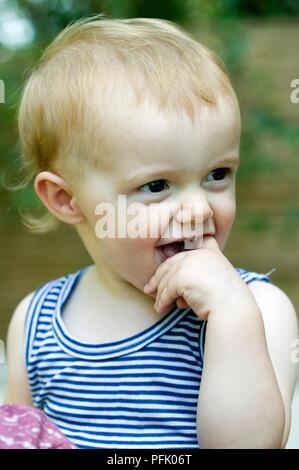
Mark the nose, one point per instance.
(190, 217)
(193, 209)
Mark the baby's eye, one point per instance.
(155, 186)
(218, 174)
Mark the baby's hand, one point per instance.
(202, 279)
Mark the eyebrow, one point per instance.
(142, 177)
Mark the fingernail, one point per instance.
(148, 288)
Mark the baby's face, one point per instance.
(160, 164)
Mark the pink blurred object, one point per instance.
(25, 427)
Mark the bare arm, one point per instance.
(240, 404)
(17, 389)
(241, 401)
(281, 327)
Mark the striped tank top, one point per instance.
(139, 392)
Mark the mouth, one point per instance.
(170, 249)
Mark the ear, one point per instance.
(58, 197)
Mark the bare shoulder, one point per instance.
(279, 317)
(17, 389)
(19, 315)
(16, 328)
(281, 330)
(275, 304)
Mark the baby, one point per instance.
(137, 119)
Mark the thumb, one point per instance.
(210, 242)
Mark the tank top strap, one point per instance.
(249, 276)
(43, 297)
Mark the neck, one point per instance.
(115, 288)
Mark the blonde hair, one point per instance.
(158, 58)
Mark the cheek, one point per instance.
(126, 228)
(147, 222)
(95, 198)
(131, 259)
(224, 219)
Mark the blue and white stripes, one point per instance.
(249, 276)
(140, 392)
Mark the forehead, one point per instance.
(141, 136)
